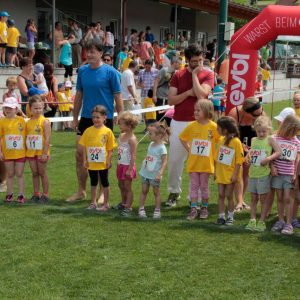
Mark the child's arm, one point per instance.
(235, 173)
(296, 168)
(133, 146)
(108, 159)
(186, 145)
(164, 162)
(47, 134)
(1, 153)
(276, 152)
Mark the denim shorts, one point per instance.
(30, 45)
(259, 186)
(152, 182)
(282, 182)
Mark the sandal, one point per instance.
(92, 206)
(103, 208)
(238, 209)
(246, 206)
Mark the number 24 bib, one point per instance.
(226, 155)
(96, 154)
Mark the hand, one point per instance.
(158, 177)
(294, 180)
(108, 164)
(128, 172)
(246, 148)
(197, 70)
(234, 179)
(142, 85)
(85, 164)
(154, 99)
(274, 171)
(264, 162)
(43, 158)
(75, 124)
(1, 157)
(191, 93)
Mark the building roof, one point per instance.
(212, 6)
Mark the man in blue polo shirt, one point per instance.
(97, 84)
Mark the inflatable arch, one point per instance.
(274, 20)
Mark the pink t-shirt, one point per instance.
(143, 50)
(183, 81)
(170, 113)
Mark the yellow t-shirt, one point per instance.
(148, 102)
(62, 97)
(3, 32)
(35, 137)
(126, 63)
(227, 157)
(97, 142)
(12, 37)
(202, 140)
(266, 74)
(12, 133)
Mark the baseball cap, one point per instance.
(60, 85)
(35, 91)
(288, 111)
(38, 68)
(4, 14)
(68, 83)
(10, 22)
(11, 102)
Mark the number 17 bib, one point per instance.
(200, 147)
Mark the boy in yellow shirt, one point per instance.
(13, 35)
(150, 117)
(3, 37)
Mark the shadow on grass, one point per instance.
(289, 241)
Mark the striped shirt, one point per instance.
(290, 148)
(147, 78)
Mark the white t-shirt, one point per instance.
(43, 85)
(127, 79)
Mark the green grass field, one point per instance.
(61, 251)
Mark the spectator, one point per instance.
(66, 57)
(133, 40)
(53, 89)
(13, 35)
(122, 55)
(58, 37)
(211, 49)
(169, 42)
(3, 37)
(100, 32)
(149, 37)
(76, 46)
(31, 33)
(182, 43)
(127, 60)
(109, 41)
(145, 49)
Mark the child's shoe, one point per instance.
(278, 226)
(92, 206)
(126, 212)
(221, 221)
(156, 214)
(35, 199)
(203, 212)
(229, 222)
(287, 229)
(251, 225)
(9, 198)
(295, 223)
(44, 199)
(142, 213)
(21, 199)
(261, 226)
(103, 208)
(193, 214)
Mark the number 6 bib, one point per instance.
(226, 155)
(96, 154)
(14, 142)
(200, 147)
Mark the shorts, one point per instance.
(217, 108)
(265, 82)
(259, 186)
(36, 158)
(64, 113)
(96, 174)
(282, 182)
(12, 50)
(18, 160)
(152, 182)
(121, 172)
(150, 121)
(30, 45)
(3, 45)
(85, 123)
(222, 108)
(128, 105)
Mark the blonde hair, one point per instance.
(289, 127)
(263, 122)
(35, 99)
(207, 107)
(100, 109)
(11, 79)
(161, 129)
(129, 119)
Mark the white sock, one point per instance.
(230, 214)
(222, 216)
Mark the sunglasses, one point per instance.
(106, 59)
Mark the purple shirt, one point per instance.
(30, 35)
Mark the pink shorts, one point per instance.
(36, 157)
(18, 160)
(121, 172)
(199, 181)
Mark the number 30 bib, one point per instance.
(226, 155)
(14, 142)
(200, 147)
(289, 151)
(96, 154)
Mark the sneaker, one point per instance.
(229, 222)
(103, 208)
(193, 214)
(287, 229)
(172, 199)
(251, 225)
(221, 221)
(92, 206)
(156, 214)
(203, 212)
(35, 199)
(21, 199)
(119, 206)
(295, 223)
(261, 226)
(278, 226)
(9, 198)
(142, 213)
(44, 199)
(126, 212)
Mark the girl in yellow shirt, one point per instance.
(96, 145)
(229, 159)
(199, 139)
(12, 134)
(38, 133)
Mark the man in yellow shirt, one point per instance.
(13, 35)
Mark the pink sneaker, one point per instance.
(21, 199)
(193, 214)
(9, 198)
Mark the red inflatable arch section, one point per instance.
(274, 20)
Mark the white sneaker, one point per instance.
(142, 213)
(156, 214)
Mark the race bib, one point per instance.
(96, 154)
(14, 142)
(150, 162)
(256, 156)
(226, 155)
(123, 156)
(288, 151)
(34, 142)
(200, 147)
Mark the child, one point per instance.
(66, 57)
(11, 84)
(64, 107)
(218, 95)
(266, 75)
(150, 117)
(223, 100)
(199, 139)
(153, 167)
(285, 171)
(259, 87)
(40, 80)
(38, 133)
(127, 61)
(97, 144)
(228, 171)
(263, 150)
(13, 35)
(126, 169)
(12, 134)
(3, 37)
